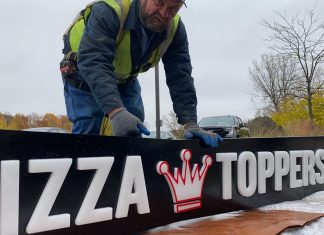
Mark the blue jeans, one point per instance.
(85, 114)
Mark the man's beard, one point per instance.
(153, 22)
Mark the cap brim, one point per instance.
(184, 2)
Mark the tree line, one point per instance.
(288, 80)
(21, 121)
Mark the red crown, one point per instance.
(186, 186)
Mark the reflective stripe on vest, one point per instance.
(122, 62)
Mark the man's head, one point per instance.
(157, 15)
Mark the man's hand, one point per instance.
(193, 131)
(126, 124)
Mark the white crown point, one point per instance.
(163, 168)
(208, 160)
(186, 155)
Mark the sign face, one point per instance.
(79, 184)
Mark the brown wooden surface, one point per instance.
(248, 223)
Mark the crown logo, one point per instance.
(186, 186)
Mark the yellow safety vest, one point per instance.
(122, 62)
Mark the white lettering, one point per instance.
(319, 157)
(246, 158)
(308, 170)
(9, 197)
(265, 169)
(281, 168)
(133, 177)
(226, 159)
(87, 213)
(294, 168)
(40, 220)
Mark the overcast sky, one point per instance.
(224, 36)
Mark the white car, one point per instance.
(163, 135)
(47, 129)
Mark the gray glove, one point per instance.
(126, 124)
(193, 131)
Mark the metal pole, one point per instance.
(157, 101)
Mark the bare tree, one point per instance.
(33, 119)
(272, 78)
(175, 128)
(302, 39)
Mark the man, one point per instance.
(107, 46)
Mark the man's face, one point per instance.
(157, 15)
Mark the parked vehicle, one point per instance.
(163, 135)
(47, 129)
(226, 126)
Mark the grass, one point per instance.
(298, 128)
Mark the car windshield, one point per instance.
(163, 135)
(47, 129)
(217, 121)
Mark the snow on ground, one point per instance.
(313, 203)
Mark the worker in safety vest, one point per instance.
(107, 46)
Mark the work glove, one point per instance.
(126, 124)
(193, 131)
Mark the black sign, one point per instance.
(80, 184)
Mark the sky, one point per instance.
(225, 36)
